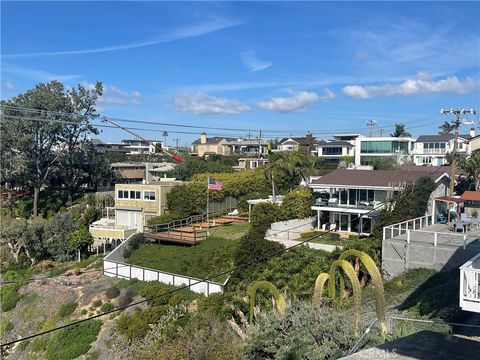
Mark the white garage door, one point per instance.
(128, 218)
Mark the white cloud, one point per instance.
(253, 63)
(9, 85)
(329, 95)
(203, 104)
(113, 95)
(35, 74)
(204, 28)
(297, 102)
(419, 85)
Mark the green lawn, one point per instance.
(210, 257)
(326, 240)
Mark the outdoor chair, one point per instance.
(475, 222)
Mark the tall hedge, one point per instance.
(191, 198)
(297, 204)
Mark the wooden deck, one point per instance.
(194, 234)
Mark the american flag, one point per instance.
(214, 184)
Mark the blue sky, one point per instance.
(319, 66)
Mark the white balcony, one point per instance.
(470, 285)
(107, 228)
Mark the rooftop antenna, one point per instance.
(371, 124)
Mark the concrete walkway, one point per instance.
(424, 345)
(290, 243)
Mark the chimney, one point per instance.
(203, 138)
(472, 132)
(309, 138)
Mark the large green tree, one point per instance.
(46, 128)
(74, 137)
(471, 165)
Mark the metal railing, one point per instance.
(191, 220)
(398, 229)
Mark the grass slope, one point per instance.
(210, 257)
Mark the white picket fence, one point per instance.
(114, 267)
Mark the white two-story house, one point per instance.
(334, 151)
(349, 200)
(433, 149)
(367, 149)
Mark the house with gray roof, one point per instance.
(297, 143)
(349, 200)
(433, 149)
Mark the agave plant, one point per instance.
(279, 299)
(347, 268)
(377, 283)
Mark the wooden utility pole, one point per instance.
(457, 122)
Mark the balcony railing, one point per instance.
(333, 202)
(470, 285)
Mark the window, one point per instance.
(122, 194)
(332, 151)
(253, 164)
(135, 195)
(149, 195)
(383, 147)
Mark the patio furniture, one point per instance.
(333, 201)
(476, 222)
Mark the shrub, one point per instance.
(297, 204)
(304, 332)
(263, 215)
(164, 219)
(90, 215)
(126, 298)
(80, 239)
(152, 315)
(107, 307)
(97, 303)
(177, 299)
(112, 292)
(67, 309)
(213, 305)
(153, 295)
(71, 342)
(132, 327)
(9, 297)
(83, 312)
(134, 243)
(5, 326)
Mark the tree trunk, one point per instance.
(36, 195)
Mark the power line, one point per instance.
(270, 131)
(210, 278)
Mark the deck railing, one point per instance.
(470, 285)
(394, 230)
(191, 220)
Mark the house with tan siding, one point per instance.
(135, 204)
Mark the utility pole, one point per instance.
(176, 142)
(371, 124)
(457, 122)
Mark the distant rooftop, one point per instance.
(378, 178)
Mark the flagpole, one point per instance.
(208, 200)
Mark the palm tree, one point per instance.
(446, 128)
(292, 164)
(165, 134)
(400, 131)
